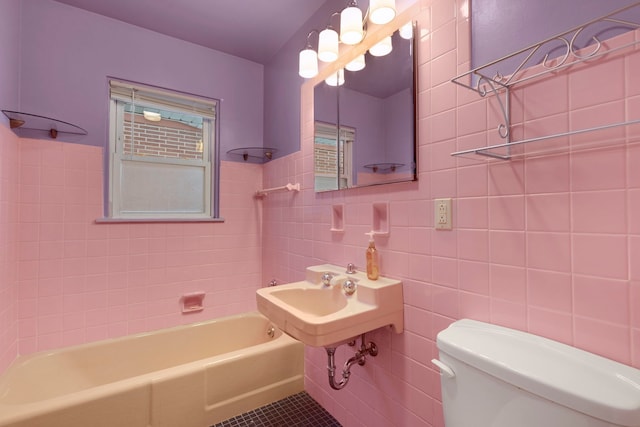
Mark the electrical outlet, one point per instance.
(442, 214)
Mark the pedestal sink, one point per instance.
(326, 315)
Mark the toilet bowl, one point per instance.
(493, 376)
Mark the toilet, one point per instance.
(493, 376)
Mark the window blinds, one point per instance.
(128, 92)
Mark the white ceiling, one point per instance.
(251, 29)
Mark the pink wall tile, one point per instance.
(506, 178)
(600, 255)
(548, 212)
(472, 118)
(550, 290)
(634, 297)
(546, 97)
(506, 213)
(582, 91)
(472, 180)
(82, 268)
(604, 211)
(549, 251)
(440, 98)
(606, 339)
(473, 245)
(602, 299)
(508, 283)
(10, 251)
(551, 324)
(507, 247)
(549, 174)
(472, 212)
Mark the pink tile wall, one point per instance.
(544, 244)
(8, 244)
(79, 281)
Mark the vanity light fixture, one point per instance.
(308, 60)
(382, 11)
(336, 79)
(328, 43)
(351, 27)
(357, 64)
(352, 32)
(382, 48)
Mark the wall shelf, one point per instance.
(384, 167)
(260, 154)
(53, 127)
(500, 76)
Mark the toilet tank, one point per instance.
(493, 376)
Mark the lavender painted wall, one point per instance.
(365, 113)
(282, 84)
(67, 54)
(500, 27)
(399, 128)
(9, 55)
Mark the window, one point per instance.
(163, 157)
(333, 157)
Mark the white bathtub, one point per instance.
(194, 375)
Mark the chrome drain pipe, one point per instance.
(370, 349)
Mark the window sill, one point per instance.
(154, 220)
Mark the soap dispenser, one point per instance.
(373, 269)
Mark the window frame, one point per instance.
(176, 102)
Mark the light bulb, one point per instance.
(357, 64)
(351, 25)
(308, 63)
(328, 45)
(406, 31)
(382, 48)
(336, 79)
(382, 11)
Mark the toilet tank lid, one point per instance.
(577, 379)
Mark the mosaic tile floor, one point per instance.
(299, 410)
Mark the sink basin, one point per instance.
(325, 316)
(315, 302)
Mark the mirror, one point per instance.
(365, 129)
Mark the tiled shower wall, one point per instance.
(8, 246)
(78, 281)
(546, 244)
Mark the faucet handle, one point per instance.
(349, 286)
(326, 278)
(351, 268)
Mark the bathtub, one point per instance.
(194, 375)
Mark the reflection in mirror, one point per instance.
(375, 112)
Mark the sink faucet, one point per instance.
(351, 268)
(326, 279)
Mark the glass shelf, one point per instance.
(384, 167)
(556, 143)
(18, 120)
(261, 154)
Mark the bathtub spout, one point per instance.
(359, 357)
